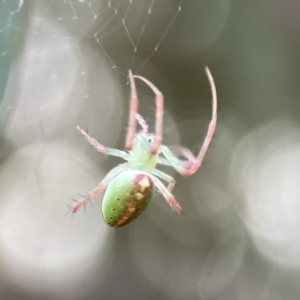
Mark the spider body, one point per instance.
(129, 193)
(140, 157)
(130, 186)
(126, 197)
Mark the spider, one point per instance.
(130, 186)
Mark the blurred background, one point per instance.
(66, 62)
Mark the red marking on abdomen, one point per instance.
(143, 185)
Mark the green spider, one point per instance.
(130, 186)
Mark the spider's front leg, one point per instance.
(192, 163)
(101, 148)
(99, 188)
(159, 111)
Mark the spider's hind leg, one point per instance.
(167, 194)
(99, 188)
(171, 181)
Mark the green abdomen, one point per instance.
(126, 197)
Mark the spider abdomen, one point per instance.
(126, 197)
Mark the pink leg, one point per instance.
(159, 114)
(132, 113)
(101, 148)
(98, 146)
(191, 164)
(194, 163)
(99, 188)
(93, 193)
(142, 123)
(167, 194)
(171, 181)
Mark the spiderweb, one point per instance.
(67, 46)
(63, 55)
(138, 26)
(126, 33)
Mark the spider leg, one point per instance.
(173, 160)
(158, 116)
(99, 188)
(192, 164)
(142, 123)
(165, 177)
(164, 161)
(166, 193)
(132, 113)
(101, 148)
